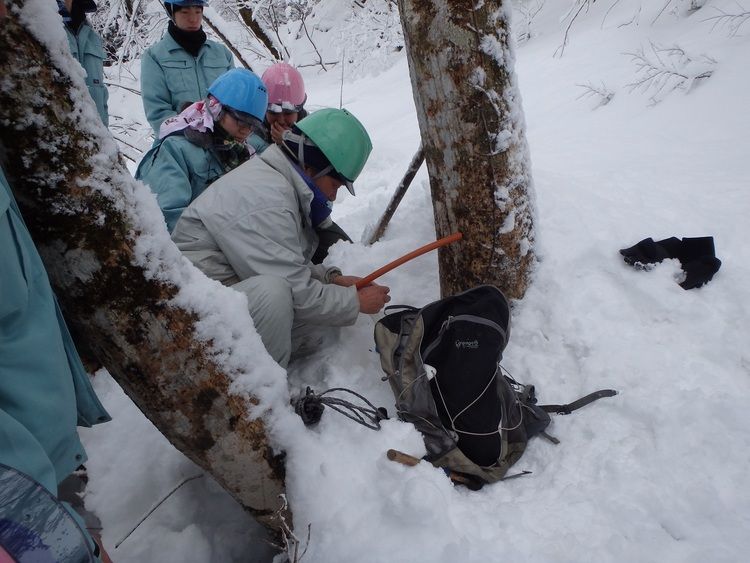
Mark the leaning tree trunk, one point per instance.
(472, 128)
(116, 281)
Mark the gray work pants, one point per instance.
(271, 306)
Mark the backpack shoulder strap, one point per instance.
(582, 402)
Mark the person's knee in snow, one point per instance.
(270, 303)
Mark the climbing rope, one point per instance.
(310, 408)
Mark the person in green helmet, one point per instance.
(255, 230)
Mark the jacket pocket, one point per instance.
(93, 63)
(176, 73)
(214, 64)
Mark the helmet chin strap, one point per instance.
(323, 172)
(301, 141)
(301, 151)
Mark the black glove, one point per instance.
(649, 252)
(696, 255)
(700, 271)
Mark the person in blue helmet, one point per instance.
(203, 142)
(178, 70)
(86, 46)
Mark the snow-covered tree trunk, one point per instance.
(469, 110)
(122, 284)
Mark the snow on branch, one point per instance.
(372, 36)
(128, 27)
(525, 12)
(662, 70)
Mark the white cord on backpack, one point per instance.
(454, 418)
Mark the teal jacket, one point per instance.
(171, 77)
(257, 141)
(86, 47)
(178, 171)
(44, 389)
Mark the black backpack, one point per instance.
(443, 365)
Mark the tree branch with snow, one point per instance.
(661, 70)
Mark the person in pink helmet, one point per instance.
(286, 100)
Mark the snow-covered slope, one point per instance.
(657, 473)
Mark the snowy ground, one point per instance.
(657, 473)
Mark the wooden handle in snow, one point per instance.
(411, 461)
(402, 458)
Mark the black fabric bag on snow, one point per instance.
(443, 365)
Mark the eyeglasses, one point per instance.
(285, 107)
(243, 120)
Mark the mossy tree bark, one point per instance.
(469, 110)
(57, 163)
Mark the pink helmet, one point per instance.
(286, 89)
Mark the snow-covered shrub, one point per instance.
(661, 70)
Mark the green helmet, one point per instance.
(341, 138)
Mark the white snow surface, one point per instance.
(657, 473)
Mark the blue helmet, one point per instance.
(183, 3)
(171, 5)
(241, 90)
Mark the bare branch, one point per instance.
(581, 5)
(601, 94)
(287, 541)
(303, 26)
(256, 30)
(729, 20)
(226, 42)
(398, 195)
(658, 15)
(128, 88)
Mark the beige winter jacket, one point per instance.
(255, 221)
